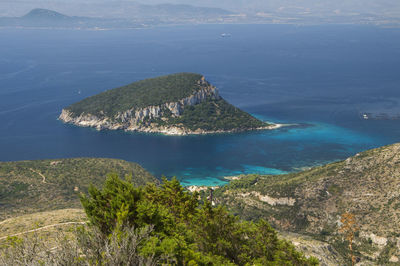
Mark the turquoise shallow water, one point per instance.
(290, 148)
(210, 178)
(317, 78)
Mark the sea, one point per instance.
(318, 80)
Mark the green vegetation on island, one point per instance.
(214, 115)
(45, 185)
(140, 94)
(182, 103)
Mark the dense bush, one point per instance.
(185, 232)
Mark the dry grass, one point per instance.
(44, 224)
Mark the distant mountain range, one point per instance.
(155, 12)
(128, 14)
(141, 15)
(45, 14)
(52, 19)
(179, 10)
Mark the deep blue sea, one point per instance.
(318, 78)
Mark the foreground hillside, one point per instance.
(40, 210)
(177, 104)
(306, 207)
(45, 185)
(145, 225)
(366, 185)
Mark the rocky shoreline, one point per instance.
(105, 124)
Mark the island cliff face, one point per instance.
(168, 117)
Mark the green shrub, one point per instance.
(185, 231)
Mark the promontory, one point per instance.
(176, 104)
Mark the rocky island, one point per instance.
(176, 104)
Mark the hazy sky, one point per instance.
(110, 8)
